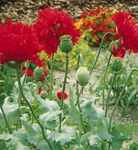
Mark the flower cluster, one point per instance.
(18, 42)
(98, 21)
(127, 33)
(50, 25)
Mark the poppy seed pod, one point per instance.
(82, 76)
(66, 44)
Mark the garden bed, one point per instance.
(68, 79)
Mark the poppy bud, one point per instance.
(82, 76)
(66, 44)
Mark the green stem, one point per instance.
(63, 89)
(109, 94)
(106, 69)
(99, 51)
(6, 120)
(78, 98)
(78, 64)
(78, 61)
(78, 95)
(79, 107)
(66, 73)
(51, 76)
(31, 109)
(96, 60)
(103, 97)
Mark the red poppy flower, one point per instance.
(127, 29)
(131, 42)
(119, 52)
(36, 60)
(61, 95)
(50, 25)
(18, 41)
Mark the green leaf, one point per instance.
(47, 105)
(117, 139)
(11, 111)
(66, 135)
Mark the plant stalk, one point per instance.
(109, 94)
(63, 89)
(31, 109)
(6, 120)
(99, 51)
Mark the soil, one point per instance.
(25, 10)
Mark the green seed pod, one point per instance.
(37, 73)
(66, 44)
(116, 66)
(82, 76)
